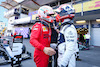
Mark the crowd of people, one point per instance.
(84, 40)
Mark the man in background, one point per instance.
(87, 36)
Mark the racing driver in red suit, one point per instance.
(41, 37)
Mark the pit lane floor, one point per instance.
(90, 58)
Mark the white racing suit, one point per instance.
(77, 51)
(67, 41)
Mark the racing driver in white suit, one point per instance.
(67, 38)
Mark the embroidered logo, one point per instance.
(44, 28)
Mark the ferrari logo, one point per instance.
(44, 28)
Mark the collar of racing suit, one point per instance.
(65, 23)
(43, 22)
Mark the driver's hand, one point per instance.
(49, 51)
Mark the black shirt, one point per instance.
(54, 36)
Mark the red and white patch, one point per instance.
(35, 28)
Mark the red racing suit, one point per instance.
(40, 38)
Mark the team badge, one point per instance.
(44, 28)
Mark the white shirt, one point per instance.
(87, 36)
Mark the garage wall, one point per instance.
(95, 33)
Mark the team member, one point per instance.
(15, 33)
(87, 35)
(67, 38)
(41, 37)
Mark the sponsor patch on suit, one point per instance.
(44, 28)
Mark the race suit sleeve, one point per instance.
(70, 40)
(35, 33)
